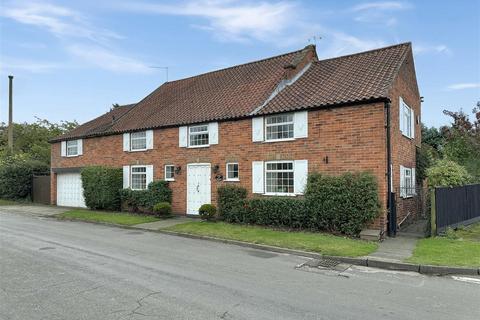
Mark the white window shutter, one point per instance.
(183, 137)
(257, 129)
(126, 142)
(403, 193)
(300, 176)
(126, 177)
(149, 174)
(412, 121)
(63, 148)
(401, 113)
(257, 177)
(213, 133)
(300, 124)
(149, 138)
(80, 146)
(414, 182)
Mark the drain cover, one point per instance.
(327, 263)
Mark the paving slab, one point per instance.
(395, 249)
(164, 223)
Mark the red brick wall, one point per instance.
(403, 148)
(352, 137)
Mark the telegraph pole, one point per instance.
(10, 113)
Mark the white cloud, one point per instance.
(440, 49)
(59, 21)
(229, 20)
(462, 86)
(339, 43)
(107, 60)
(386, 5)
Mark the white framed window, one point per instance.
(279, 127)
(198, 136)
(279, 178)
(169, 172)
(138, 141)
(407, 120)
(138, 177)
(232, 171)
(72, 148)
(407, 182)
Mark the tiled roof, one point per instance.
(246, 89)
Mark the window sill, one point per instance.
(280, 194)
(409, 138)
(137, 150)
(170, 180)
(72, 156)
(232, 180)
(279, 140)
(202, 146)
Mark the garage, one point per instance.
(70, 190)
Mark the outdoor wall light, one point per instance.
(178, 169)
(215, 168)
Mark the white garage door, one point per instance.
(70, 190)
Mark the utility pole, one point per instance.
(10, 113)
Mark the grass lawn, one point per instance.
(122, 218)
(4, 202)
(464, 251)
(307, 241)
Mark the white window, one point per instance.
(138, 177)
(279, 177)
(407, 182)
(138, 141)
(232, 172)
(72, 148)
(198, 136)
(407, 120)
(279, 127)
(170, 172)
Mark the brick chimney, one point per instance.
(304, 57)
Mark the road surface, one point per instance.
(72, 270)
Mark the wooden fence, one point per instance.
(453, 207)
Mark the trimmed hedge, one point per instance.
(144, 200)
(345, 204)
(208, 212)
(16, 177)
(230, 202)
(163, 209)
(101, 187)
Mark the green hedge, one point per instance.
(344, 204)
(101, 187)
(16, 177)
(144, 200)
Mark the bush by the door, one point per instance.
(144, 200)
(230, 202)
(163, 209)
(208, 212)
(101, 187)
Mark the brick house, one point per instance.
(263, 125)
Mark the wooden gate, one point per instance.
(41, 189)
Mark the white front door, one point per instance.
(198, 186)
(70, 190)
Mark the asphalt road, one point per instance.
(71, 270)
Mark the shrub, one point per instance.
(343, 203)
(16, 177)
(101, 187)
(276, 212)
(230, 202)
(208, 212)
(163, 209)
(447, 173)
(144, 200)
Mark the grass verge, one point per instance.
(122, 218)
(5, 202)
(316, 242)
(461, 248)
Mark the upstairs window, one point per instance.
(72, 148)
(232, 172)
(139, 178)
(407, 120)
(279, 177)
(198, 136)
(279, 127)
(138, 141)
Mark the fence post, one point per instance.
(433, 214)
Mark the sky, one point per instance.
(72, 60)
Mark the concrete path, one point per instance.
(73, 270)
(164, 223)
(395, 249)
(33, 209)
